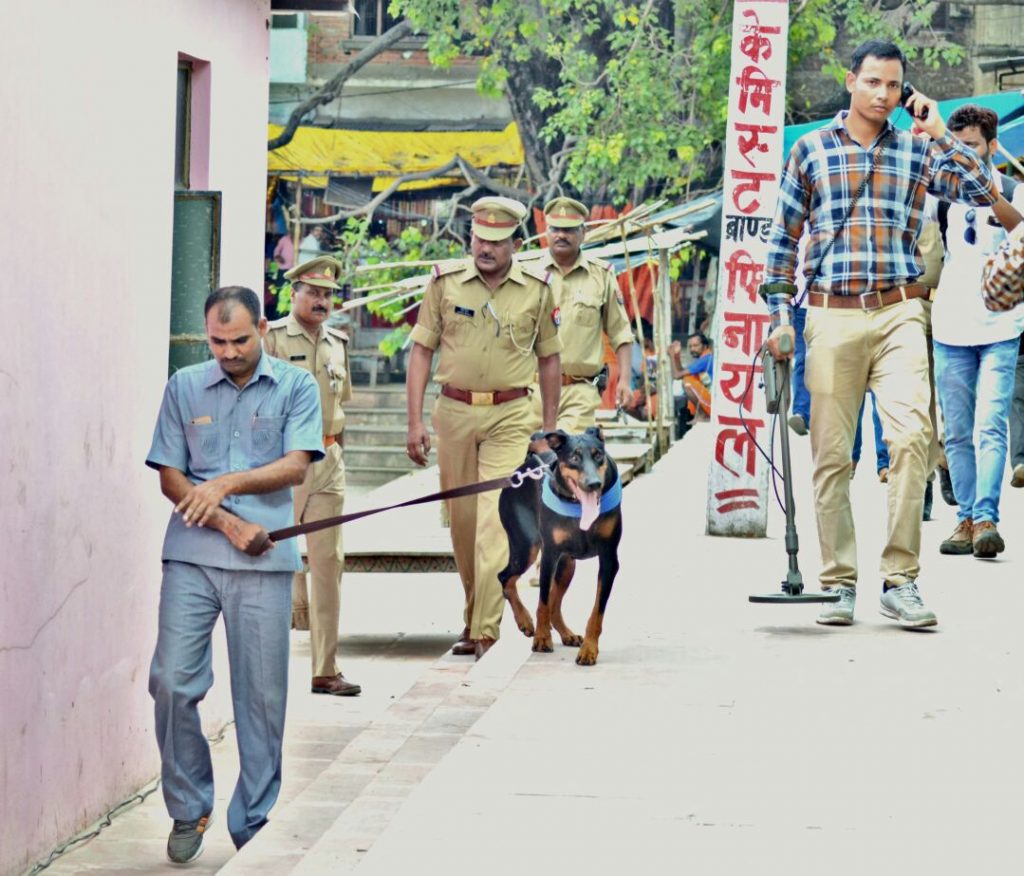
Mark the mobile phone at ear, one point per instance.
(905, 95)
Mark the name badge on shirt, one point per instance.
(201, 421)
(301, 357)
(464, 311)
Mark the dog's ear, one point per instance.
(597, 432)
(556, 440)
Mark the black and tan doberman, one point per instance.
(572, 513)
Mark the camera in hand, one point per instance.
(905, 95)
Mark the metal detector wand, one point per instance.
(777, 392)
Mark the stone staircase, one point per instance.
(375, 432)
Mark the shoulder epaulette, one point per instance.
(601, 264)
(449, 267)
(277, 323)
(341, 334)
(538, 273)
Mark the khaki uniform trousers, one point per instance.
(477, 443)
(321, 495)
(848, 352)
(577, 407)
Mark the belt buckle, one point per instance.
(481, 398)
(865, 295)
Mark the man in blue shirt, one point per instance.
(233, 437)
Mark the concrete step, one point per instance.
(378, 416)
(376, 434)
(389, 395)
(391, 456)
(372, 476)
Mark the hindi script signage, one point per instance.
(738, 474)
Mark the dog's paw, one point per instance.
(526, 629)
(543, 644)
(571, 639)
(587, 655)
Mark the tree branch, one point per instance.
(473, 176)
(332, 88)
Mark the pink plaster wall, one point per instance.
(87, 101)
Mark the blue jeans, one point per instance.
(881, 448)
(801, 397)
(975, 386)
(257, 610)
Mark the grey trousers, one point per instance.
(256, 607)
(1017, 417)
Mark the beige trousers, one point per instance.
(577, 407)
(848, 352)
(321, 495)
(477, 443)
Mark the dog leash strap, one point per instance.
(454, 493)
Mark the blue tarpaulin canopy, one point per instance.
(1004, 103)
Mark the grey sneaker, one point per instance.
(1018, 475)
(798, 424)
(839, 614)
(185, 843)
(904, 605)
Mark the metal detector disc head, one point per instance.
(794, 598)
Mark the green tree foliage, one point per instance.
(618, 101)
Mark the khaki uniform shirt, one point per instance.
(589, 300)
(489, 340)
(325, 357)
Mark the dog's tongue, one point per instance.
(588, 504)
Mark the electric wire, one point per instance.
(107, 819)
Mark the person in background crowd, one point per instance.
(975, 349)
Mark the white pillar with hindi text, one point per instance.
(738, 474)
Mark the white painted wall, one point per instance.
(87, 97)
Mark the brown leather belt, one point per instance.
(568, 380)
(484, 398)
(869, 300)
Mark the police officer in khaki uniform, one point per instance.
(589, 301)
(496, 324)
(303, 339)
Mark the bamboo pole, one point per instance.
(639, 332)
(298, 218)
(1010, 157)
(663, 332)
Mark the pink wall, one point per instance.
(87, 179)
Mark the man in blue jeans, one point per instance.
(881, 449)
(975, 350)
(233, 437)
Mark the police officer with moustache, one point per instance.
(496, 324)
(303, 339)
(588, 299)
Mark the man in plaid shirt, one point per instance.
(866, 315)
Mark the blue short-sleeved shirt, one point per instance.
(705, 363)
(208, 427)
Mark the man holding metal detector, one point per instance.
(858, 187)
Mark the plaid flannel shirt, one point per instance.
(1003, 278)
(877, 248)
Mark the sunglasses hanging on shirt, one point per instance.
(971, 231)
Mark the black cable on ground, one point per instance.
(107, 819)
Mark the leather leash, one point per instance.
(514, 480)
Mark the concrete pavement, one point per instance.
(713, 735)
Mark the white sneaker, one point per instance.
(904, 605)
(839, 614)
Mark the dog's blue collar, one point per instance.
(610, 499)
